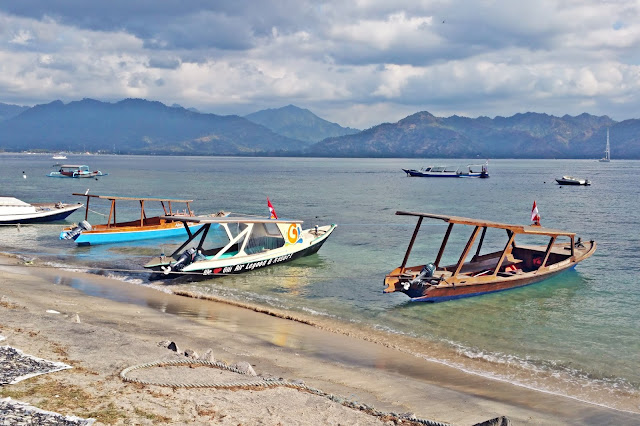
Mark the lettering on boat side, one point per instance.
(250, 266)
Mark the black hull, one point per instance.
(157, 274)
(560, 182)
(54, 216)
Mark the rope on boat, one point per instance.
(263, 383)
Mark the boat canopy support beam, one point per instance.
(548, 252)
(507, 249)
(466, 251)
(413, 240)
(112, 213)
(191, 237)
(475, 256)
(443, 245)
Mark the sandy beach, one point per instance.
(103, 326)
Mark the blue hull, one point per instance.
(86, 239)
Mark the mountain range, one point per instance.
(139, 126)
(298, 123)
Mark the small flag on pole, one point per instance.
(272, 212)
(535, 216)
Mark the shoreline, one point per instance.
(335, 361)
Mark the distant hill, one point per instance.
(8, 111)
(529, 135)
(138, 126)
(298, 123)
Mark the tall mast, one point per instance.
(607, 152)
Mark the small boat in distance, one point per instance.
(607, 151)
(239, 244)
(471, 170)
(76, 171)
(13, 210)
(143, 228)
(570, 180)
(513, 266)
(59, 156)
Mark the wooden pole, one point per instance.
(512, 236)
(443, 245)
(548, 252)
(467, 248)
(413, 239)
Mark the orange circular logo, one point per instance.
(293, 233)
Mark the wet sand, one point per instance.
(121, 325)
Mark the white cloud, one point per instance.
(357, 63)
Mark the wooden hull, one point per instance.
(474, 285)
(436, 294)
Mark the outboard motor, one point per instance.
(425, 274)
(73, 234)
(185, 258)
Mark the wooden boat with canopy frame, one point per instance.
(514, 265)
(143, 228)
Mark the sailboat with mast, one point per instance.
(607, 152)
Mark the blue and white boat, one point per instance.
(144, 228)
(76, 171)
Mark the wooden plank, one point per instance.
(112, 197)
(205, 219)
(520, 229)
(467, 248)
(413, 240)
(443, 245)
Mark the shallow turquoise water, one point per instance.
(580, 327)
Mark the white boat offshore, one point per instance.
(570, 180)
(607, 151)
(471, 170)
(13, 210)
(233, 245)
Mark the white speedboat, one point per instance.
(570, 180)
(59, 156)
(233, 245)
(13, 210)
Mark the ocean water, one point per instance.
(575, 334)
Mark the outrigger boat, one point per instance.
(144, 228)
(76, 171)
(239, 244)
(471, 170)
(514, 266)
(13, 210)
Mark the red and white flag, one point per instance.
(535, 216)
(272, 212)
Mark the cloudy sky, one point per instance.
(357, 63)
